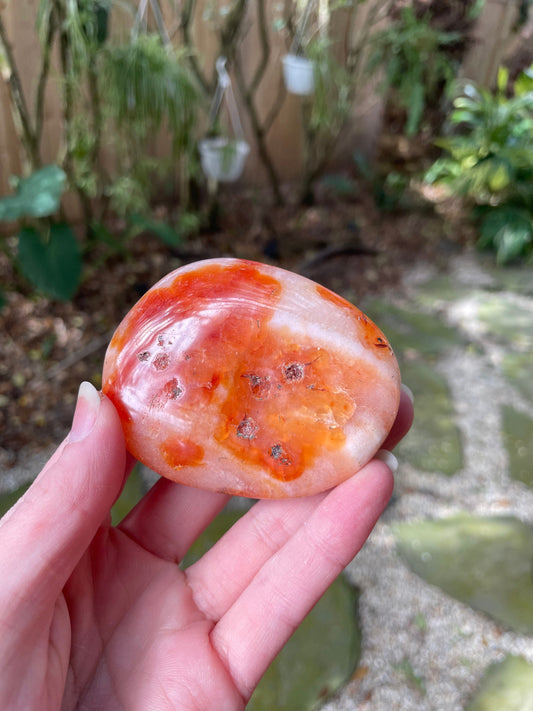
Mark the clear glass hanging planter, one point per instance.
(223, 158)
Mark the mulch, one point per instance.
(49, 347)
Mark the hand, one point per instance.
(98, 617)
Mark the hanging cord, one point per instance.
(140, 21)
(298, 36)
(224, 90)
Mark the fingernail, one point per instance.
(407, 390)
(86, 412)
(388, 457)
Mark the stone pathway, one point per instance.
(445, 585)
(446, 604)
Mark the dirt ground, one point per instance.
(344, 243)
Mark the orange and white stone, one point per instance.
(248, 379)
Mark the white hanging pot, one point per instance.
(223, 159)
(298, 73)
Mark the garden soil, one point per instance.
(49, 347)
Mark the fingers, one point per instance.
(403, 422)
(261, 620)
(167, 521)
(45, 534)
(260, 533)
(294, 551)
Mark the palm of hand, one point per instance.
(145, 634)
(138, 638)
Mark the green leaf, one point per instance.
(500, 176)
(417, 105)
(52, 266)
(165, 232)
(508, 230)
(502, 79)
(339, 184)
(463, 116)
(466, 102)
(39, 195)
(474, 11)
(524, 82)
(512, 241)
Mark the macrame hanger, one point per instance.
(298, 35)
(140, 21)
(224, 90)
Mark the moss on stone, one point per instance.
(517, 429)
(434, 442)
(482, 561)
(518, 370)
(413, 332)
(505, 686)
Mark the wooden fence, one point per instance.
(284, 139)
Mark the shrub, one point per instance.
(488, 160)
(416, 63)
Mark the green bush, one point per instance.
(488, 160)
(416, 64)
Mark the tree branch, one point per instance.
(43, 76)
(265, 48)
(187, 14)
(230, 31)
(20, 108)
(65, 53)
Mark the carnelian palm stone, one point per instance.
(248, 379)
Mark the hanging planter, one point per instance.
(223, 158)
(298, 71)
(298, 74)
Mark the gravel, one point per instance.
(423, 650)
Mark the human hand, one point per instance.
(100, 617)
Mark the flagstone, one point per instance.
(484, 562)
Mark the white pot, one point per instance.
(223, 159)
(298, 74)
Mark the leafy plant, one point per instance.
(38, 195)
(51, 259)
(47, 254)
(389, 189)
(147, 86)
(488, 160)
(147, 82)
(332, 98)
(416, 63)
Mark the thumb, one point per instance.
(44, 535)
